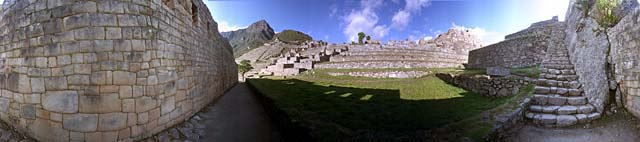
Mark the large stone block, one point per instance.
(80, 122)
(103, 103)
(4, 104)
(168, 104)
(60, 101)
(112, 121)
(56, 83)
(124, 78)
(145, 104)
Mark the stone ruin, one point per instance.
(295, 62)
(521, 49)
(108, 70)
(449, 50)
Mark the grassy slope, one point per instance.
(363, 109)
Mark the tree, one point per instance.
(244, 67)
(368, 37)
(361, 36)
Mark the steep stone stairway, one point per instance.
(559, 99)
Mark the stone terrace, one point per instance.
(382, 56)
(107, 70)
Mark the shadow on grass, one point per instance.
(337, 113)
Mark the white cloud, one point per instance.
(403, 16)
(224, 26)
(364, 19)
(487, 37)
(333, 9)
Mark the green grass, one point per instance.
(533, 71)
(363, 109)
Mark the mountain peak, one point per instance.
(260, 25)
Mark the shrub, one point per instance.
(605, 15)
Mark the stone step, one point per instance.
(555, 83)
(541, 99)
(562, 110)
(553, 120)
(558, 62)
(558, 66)
(557, 90)
(557, 71)
(560, 77)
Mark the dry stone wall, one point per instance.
(514, 53)
(624, 40)
(522, 49)
(485, 85)
(107, 70)
(389, 56)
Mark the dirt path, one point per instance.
(617, 128)
(238, 117)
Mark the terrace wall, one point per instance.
(107, 70)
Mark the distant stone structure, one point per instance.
(449, 50)
(522, 49)
(293, 63)
(108, 70)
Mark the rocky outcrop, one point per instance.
(255, 35)
(108, 70)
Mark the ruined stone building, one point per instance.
(588, 67)
(81, 70)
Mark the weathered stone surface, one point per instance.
(566, 120)
(567, 110)
(79, 70)
(498, 71)
(60, 101)
(112, 121)
(548, 118)
(4, 104)
(124, 78)
(103, 103)
(145, 104)
(587, 51)
(168, 104)
(80, 122)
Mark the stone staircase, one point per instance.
(559, 99)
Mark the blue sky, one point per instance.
(339, 20)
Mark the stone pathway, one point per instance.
(619, 128)
(559, 99)
(237, 117)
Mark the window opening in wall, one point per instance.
(194, 14)
(168, 3)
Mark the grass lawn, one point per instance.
(364, 109)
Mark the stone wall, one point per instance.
(485, 85)
(80, 70)
(624, 53)
(521, 49)
(514, 53)
(383, 74)
(391, 56)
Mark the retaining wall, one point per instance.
(81, 70)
